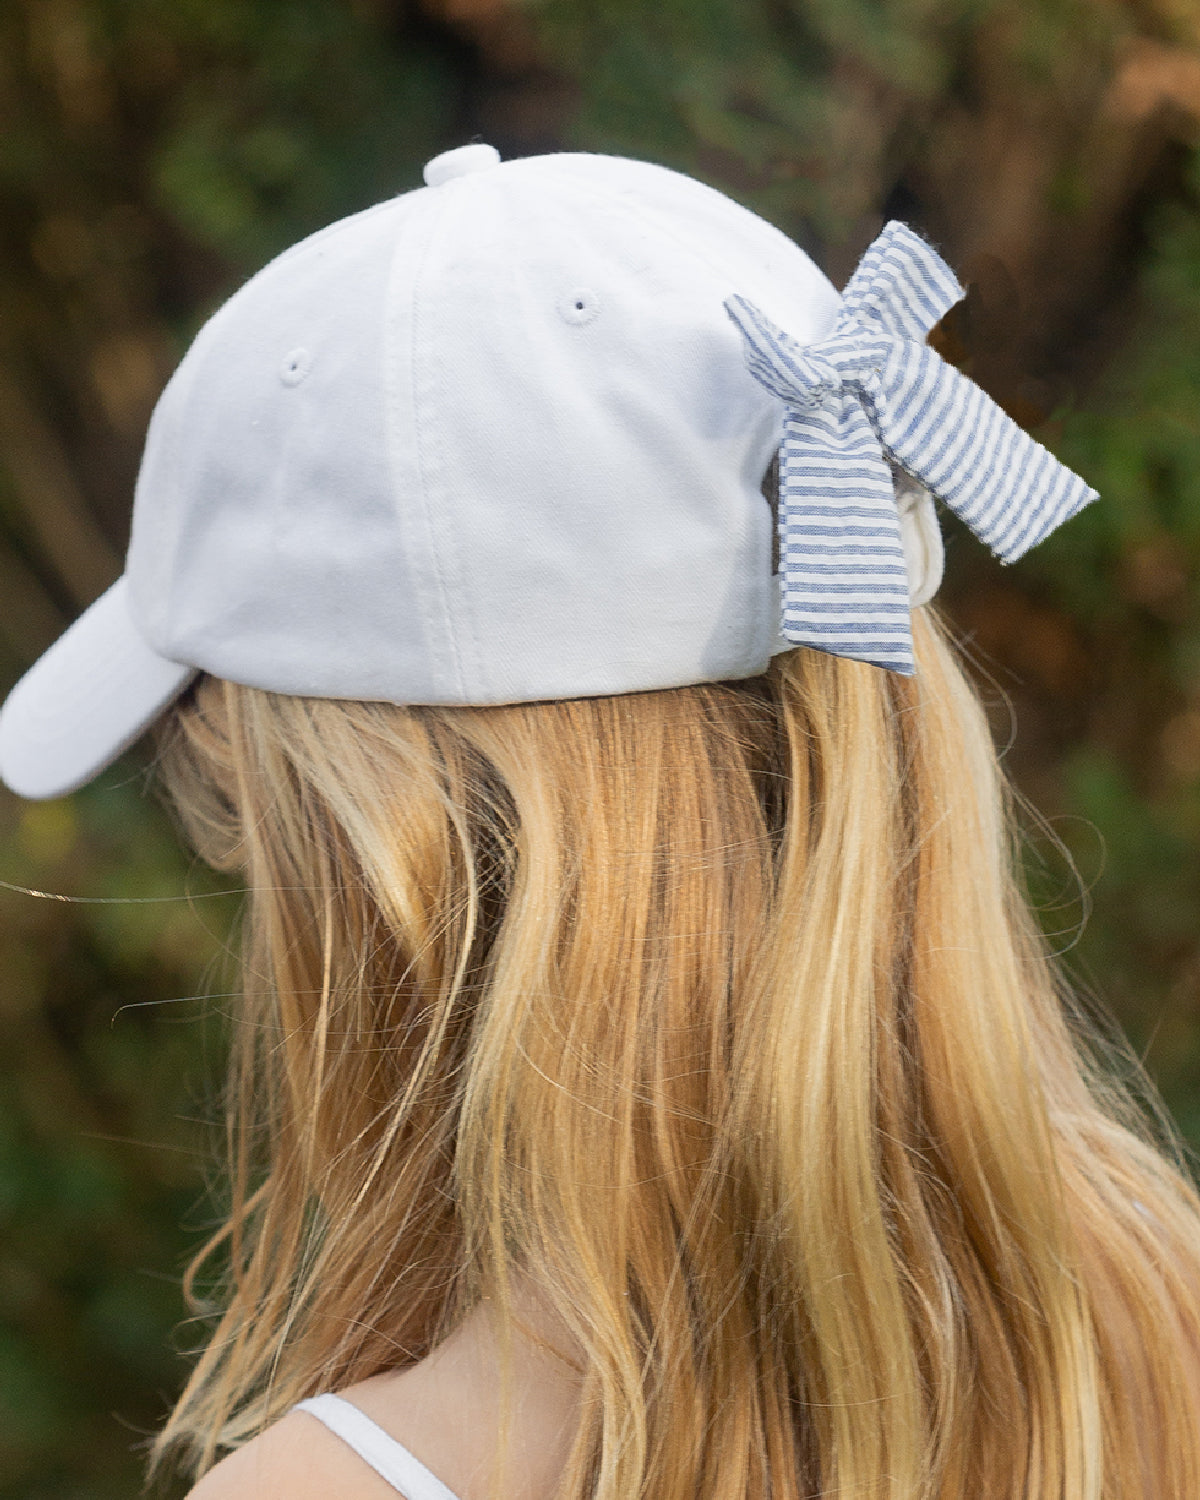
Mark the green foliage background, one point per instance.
(155, 152)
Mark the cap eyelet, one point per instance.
(579, 306)
(295, 366)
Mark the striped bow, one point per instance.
(874, 394)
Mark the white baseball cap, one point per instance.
(494, 440)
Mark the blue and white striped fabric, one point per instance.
(871, 394)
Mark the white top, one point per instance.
(390, 1459)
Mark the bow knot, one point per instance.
(869, 398)
(850, 356)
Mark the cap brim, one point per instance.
(87, 699)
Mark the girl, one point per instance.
(650, 1081)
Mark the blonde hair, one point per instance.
(718, 1013)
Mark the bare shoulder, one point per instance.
(297, 1458)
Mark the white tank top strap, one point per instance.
(390, 1459)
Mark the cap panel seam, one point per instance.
(457, 600)
(443, 628)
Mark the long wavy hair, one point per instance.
(718, 1013)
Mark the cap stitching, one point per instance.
(436, 541)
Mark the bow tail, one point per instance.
(845, 580)
(949, 434)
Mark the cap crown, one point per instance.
(494, 440)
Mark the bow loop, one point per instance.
(872, 396)
(901, 287)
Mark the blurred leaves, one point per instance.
(111, 1062)
(153, 153)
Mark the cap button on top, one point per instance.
(459, 162)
